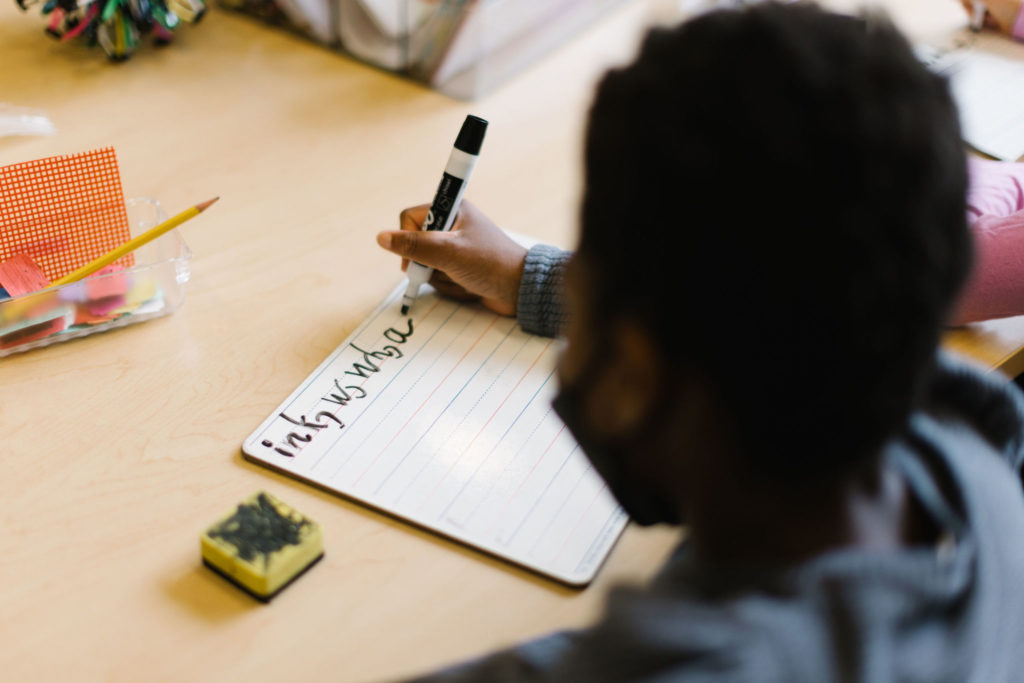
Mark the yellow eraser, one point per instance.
(262, 546)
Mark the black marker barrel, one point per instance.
(449, 193)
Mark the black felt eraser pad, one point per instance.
(262, 546)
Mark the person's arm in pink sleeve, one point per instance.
(996, 188)
(995, 210)
(995, 288)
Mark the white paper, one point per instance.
(986, 75)
(450, 427)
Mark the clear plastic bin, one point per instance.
(463, 48)
(153, 287)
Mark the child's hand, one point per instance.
(1001, 14)
(475, 260)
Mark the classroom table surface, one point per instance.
(119, 448)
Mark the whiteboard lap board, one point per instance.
(443, 418)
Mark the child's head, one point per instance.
(775, 198)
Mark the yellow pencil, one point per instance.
(134, 243)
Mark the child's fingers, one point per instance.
(414, 217)
(433, 249)
(450, 289)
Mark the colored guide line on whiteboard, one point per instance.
(443, 418)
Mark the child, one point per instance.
(773, 232)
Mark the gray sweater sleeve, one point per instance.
(987, 402)
(541, 304)
(535, 660)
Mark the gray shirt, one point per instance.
(950, 612)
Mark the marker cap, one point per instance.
(471, 135)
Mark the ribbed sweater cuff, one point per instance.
(541, 294)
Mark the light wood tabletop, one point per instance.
(119, 448)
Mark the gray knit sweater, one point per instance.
(541, 309)
(953, 612)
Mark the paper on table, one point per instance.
(444, 419)
(986, 75)
(24, 121)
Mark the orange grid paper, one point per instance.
(63, 211)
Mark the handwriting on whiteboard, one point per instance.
(340, 395)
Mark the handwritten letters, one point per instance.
(341, 395)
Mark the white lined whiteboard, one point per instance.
(443, 418)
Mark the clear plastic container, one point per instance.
(464, 48)
(153, 287)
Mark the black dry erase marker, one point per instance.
(449, 195)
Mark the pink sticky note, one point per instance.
(104, 283)
(105, 305)
(20, 275)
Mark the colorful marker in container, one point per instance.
(448, 197)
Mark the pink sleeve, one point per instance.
(995, 210)
(1017, 30)
(995, 288)
(995, 188)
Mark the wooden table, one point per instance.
(118, 449)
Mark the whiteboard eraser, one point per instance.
(262, 546)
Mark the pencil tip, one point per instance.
(202, 207)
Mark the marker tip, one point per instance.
(405, 309)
